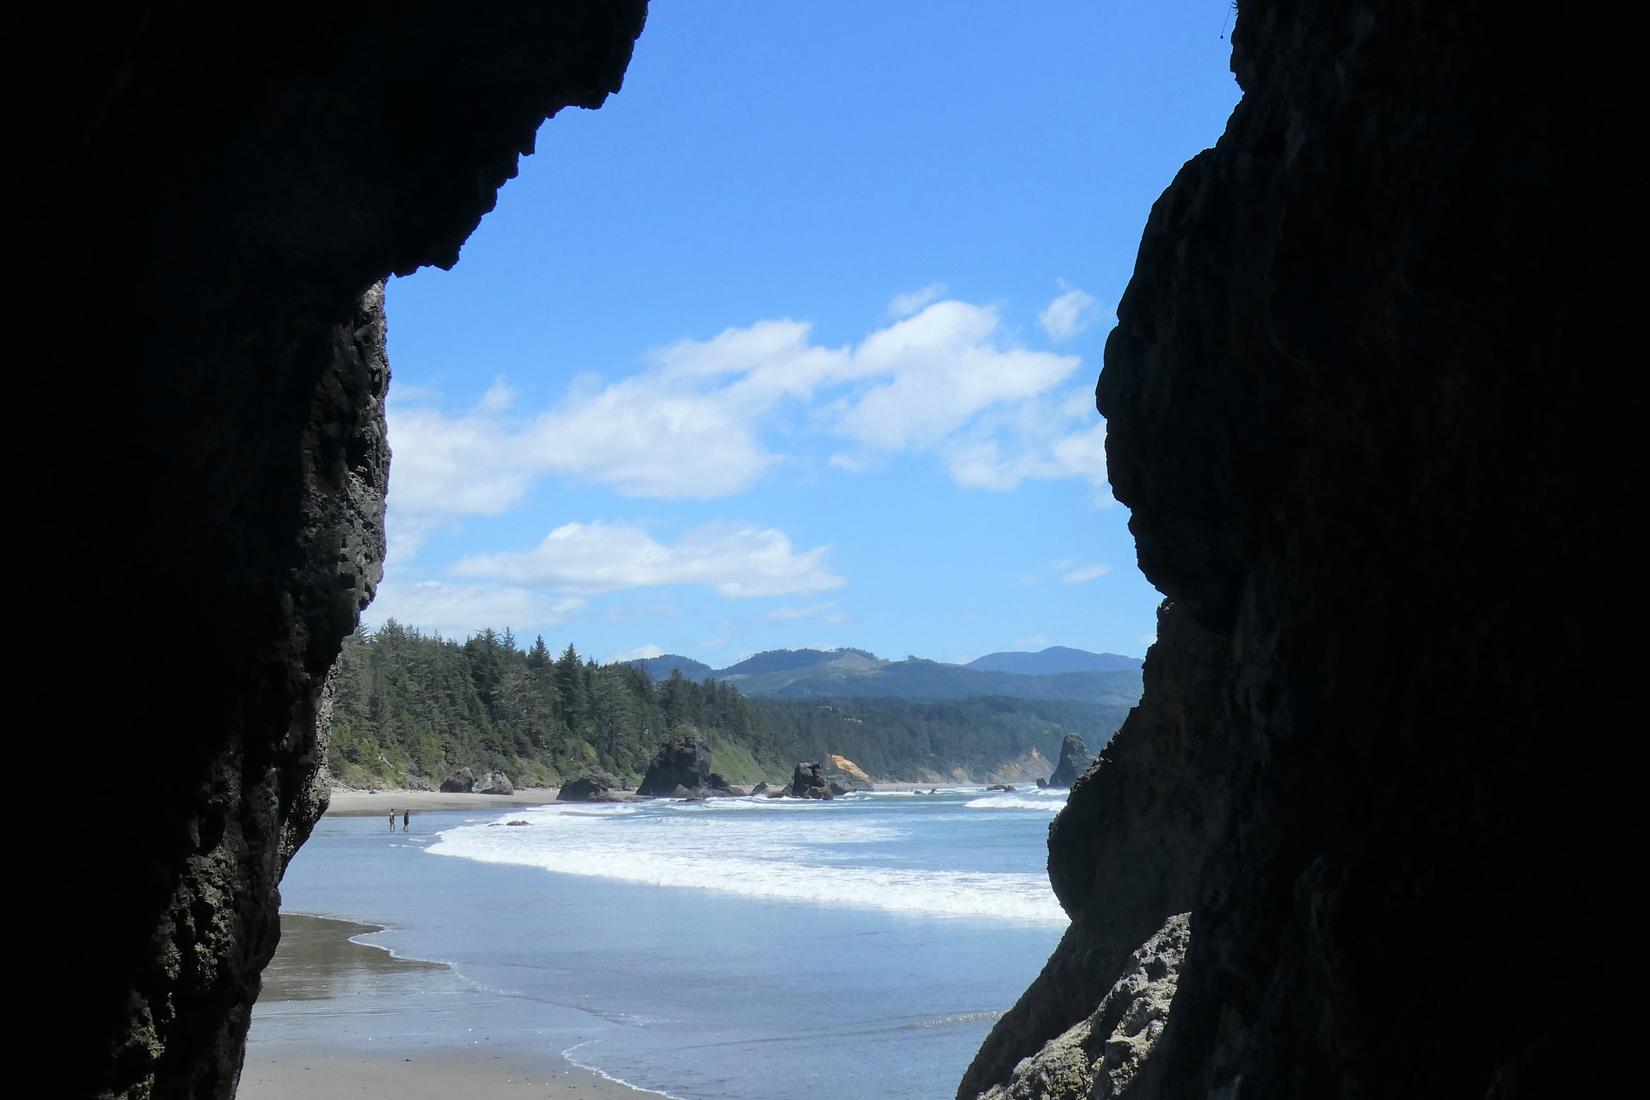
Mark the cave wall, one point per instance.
(213, 197)
(1364, 404)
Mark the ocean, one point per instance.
(736, 949)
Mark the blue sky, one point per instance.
(794, 341)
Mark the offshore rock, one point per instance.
(683, 761)
(216, 194)
(1075, 759)
(590, 787)
(1361, 403)
(808, 781)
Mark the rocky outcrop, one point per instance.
(1105, 1054)
(215, 195)
(494, 783)
(1356, 402)
(848, 770)
(463, 781)
(594, 786)
(1075, 759)
(808, 781)
(683, 761)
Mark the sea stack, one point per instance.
(1075, 759)
(682, 761)
(808, 781)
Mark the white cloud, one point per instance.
(1068, 315)
(943, 367)
(640, 653)
(732, 560)
(1086, 573)
(1044, 439)
(1031, 641)
(459, 610)
(695, 422)
(903, 305)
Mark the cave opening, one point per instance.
(1353, 404)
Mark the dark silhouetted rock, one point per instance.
(236, 184)
(682, 761)
(759, 789)
(591, 787)
(1364, 406)
(462, 781)
(1042, 784)
(1001, 787)
(1075, 759)
(808, 781)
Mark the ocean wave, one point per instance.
(1047, 805)
(752, 856)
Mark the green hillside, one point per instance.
(409, 709)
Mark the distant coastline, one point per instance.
(350, 802)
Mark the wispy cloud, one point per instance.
(1086, 573)
(588, 558)
(640, 653)
(699, 419)
(1068, 315)
(459, 610)
(903, 305)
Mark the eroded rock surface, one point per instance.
(1358, 402)
(1104, 1055)
(216, 196)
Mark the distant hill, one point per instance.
(660, 668)
(1053, 661)
(411, 709)
(1057, 673)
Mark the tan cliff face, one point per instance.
(848, 767)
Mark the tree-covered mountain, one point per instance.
(1055, 673)
(661, 667)
(409, 709)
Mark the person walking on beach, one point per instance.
(406, 820)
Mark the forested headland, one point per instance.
(409, 709)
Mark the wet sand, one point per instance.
(321, 980)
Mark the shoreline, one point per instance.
(363, 803)
(349, 802)
(317, 951)
(346, 802)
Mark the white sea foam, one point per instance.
(1016, 802)
(602, 1073)
(827, 858)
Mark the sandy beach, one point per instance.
(316, 1071)
(317, 963)
(368, 803)
(379, 803)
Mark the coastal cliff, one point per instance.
(1357, 403)
(216, 195)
